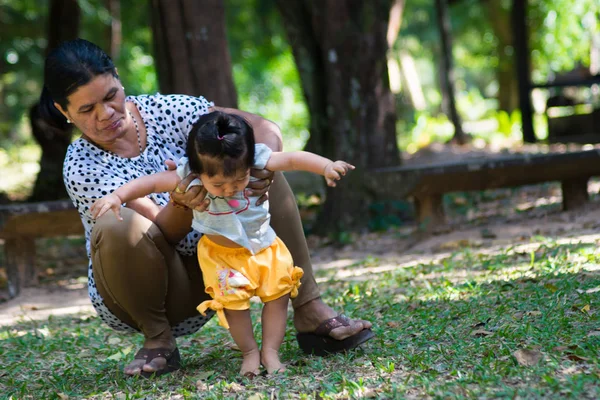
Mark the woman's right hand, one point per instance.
(194, 198)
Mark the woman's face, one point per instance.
(98, 110)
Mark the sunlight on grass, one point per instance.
(451, 325)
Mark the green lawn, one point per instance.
(515, 322)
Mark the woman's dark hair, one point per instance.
(220, 143)
(69, 66)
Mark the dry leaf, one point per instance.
(533, 313)
(235, 387)
(114, 340)
(560, 348)
(586, 309)
(62, 396)
(552, 288)
(393, 324)
(575, 357)
(594, 333)
(481, 333)
(594, 290)
(518, 315)
(527, 358)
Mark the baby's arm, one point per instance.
(140, 187)
(310, 162)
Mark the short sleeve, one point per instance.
(262, 153)
(183, 170)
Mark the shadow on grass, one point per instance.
(447, 329)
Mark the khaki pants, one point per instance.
(147, 284)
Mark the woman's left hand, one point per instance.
(260, 187)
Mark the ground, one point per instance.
(501, 303)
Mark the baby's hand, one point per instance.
(106, 203)
(335, 170)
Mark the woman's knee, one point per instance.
(110, 230)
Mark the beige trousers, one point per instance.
(147, 284)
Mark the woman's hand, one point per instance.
(194, 198)
(260, 187)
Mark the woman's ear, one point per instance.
(62, 111)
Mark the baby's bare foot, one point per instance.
(250, 364)
(270, 360)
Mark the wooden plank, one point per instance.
(505, 171)
(20, 264)
(44, 219)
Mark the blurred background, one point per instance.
(479, 74)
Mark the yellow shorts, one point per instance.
(233, 275)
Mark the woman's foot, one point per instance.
(269, 358)
(250, 364)
(310, 315)
(137, 366)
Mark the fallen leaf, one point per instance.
(393, 324)
(518, 315)
(594, 333)
(114, 340)
(575, 357)
(560, 348)
(481, 324)
(235, 387)
(533, 313)
(551, 288)
(527, 358)
(481, 333)
(205, 375)
(586, 309)
(594, 290)
(256, 396)
(62, 396)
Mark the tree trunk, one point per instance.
(191, 51)
(508, 92)
(447, 71)
(63, 24)
(340, 50)
(114, 32)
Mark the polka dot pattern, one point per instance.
(90, 173)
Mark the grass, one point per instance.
(448, 328)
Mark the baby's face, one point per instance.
(226, 186)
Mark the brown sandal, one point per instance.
(172, 356)
(320, 343)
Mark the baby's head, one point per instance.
(220, 149)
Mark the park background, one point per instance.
(488, 307)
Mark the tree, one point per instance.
(63, 24)
(340, 50)
(191, 52)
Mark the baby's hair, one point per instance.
(220, 143)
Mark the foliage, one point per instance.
(510, 322)
(264, 70)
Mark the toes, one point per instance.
(355, 326)
(157, 364)
(134, 368)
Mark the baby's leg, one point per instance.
(240, 328)
(274, 320)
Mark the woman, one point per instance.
(137, 280)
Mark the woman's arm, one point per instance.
(309, 162)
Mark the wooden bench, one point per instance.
(428, 183)
(21, 224)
